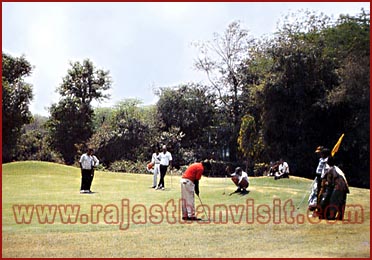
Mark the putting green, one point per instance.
(44, 215)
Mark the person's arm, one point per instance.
(170, 160)
(243, 176)
(96, 161)
(153, 157)
(81, 161)
(196, 182)
(281, 169)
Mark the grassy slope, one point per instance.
(46, 183)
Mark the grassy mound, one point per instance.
(44, 215)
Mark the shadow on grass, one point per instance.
(241, 193)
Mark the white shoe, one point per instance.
(162, 188)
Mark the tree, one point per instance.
(33, 145)
(318, 88)
(250, 140)
(295, 119)
(124, 135)
(221, 60)
(70, 124)
(350, 41)
(16, 97)
(190, 109)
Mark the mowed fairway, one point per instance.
(104, 232)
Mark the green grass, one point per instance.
(33, 183)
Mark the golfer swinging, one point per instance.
(189, 185)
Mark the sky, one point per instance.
(145, 46)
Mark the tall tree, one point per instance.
(16, 97)
(350, 42)
(191, 109)
(294, 113)
(221, 60)
(124, 135)
(71, 120)
(250, 141)
(317, 89)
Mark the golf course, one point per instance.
(45, 216)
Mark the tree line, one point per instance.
(275, 97)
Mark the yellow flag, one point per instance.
(337, 145)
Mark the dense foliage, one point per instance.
(16, 97)
(269, 98)
(70, 124)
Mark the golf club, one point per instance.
(205, 212)
(171, 174)
(224, 187)
(306, 193)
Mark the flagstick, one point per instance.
(337, 145)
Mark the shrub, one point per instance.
(128, 167)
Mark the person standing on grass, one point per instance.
(189, 186)
(95, 163)
(86, 165)
(335, 189)
(155, 161)
(318, 184)
(165, 159)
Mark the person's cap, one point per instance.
(319, 149)
(238, 169)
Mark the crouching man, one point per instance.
(189, 186)
(240, 178)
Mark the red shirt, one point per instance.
(193, 172)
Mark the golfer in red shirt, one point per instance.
(189, 185)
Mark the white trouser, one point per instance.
(156, 172)
(187, 192)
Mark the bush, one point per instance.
(128, 166)
(33, 145)
(261, 169)
(219, 168)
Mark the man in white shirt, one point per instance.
(283, 170)
(87, 162)
(165, 158)
(323, 153)
(155, 161)
(240, 178)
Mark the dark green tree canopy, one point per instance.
(16, 97)
(71, 121)
(278, 96)
(318, 88)
(191, 109)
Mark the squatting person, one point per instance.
(240, 179)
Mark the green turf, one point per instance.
(40, 183)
